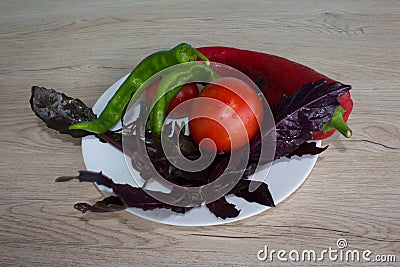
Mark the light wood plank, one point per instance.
(82, 48)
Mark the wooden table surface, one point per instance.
(81, 49)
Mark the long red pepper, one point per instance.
(276, 76)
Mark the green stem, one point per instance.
(337, 123)
(202, 57)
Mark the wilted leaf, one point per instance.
(59, 111)
(307, 148)
(223, 209)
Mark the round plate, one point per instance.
(285, 176)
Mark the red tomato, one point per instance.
(188, 91)
(227, 111)
(151, 91)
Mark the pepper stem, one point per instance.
(202, 57)
(337, 123)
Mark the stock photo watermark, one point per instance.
(215, 112)
(339, 253)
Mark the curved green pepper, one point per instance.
(149, 66)
(171, 84)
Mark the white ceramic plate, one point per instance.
(285, 176)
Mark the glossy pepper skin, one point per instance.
(149, 66)
(276, 76)
(171, 84)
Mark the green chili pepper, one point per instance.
(171, 84)
(149, 66)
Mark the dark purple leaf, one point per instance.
(215, 169)
(109, 204)
(138, 198)
(300, 115)
(131, 196)
(59, 111)
(95, 177)
(223, 209)
(261, 195)
(307, 148)
(250, 169)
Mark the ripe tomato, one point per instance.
(227, 111)
(188, 91)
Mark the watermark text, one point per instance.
(340, 253)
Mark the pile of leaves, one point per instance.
(297, 117)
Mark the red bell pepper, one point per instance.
(276, 77)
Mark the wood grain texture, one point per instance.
(82, 48)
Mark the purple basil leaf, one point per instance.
(138, 198)
(300, 115)
(109, 204)
(307, 148)
(261, 195)
(95, 177)
(255, 149)
(59, 111)
(250, 169)
(223, 209)
(131, 196)
(183, 178)
(215, 169)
